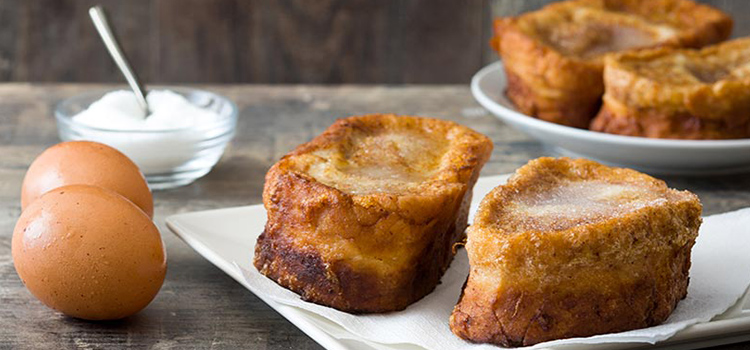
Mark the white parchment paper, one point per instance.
(719, 276)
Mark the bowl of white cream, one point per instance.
(180, 140)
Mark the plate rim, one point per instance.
(517, 117)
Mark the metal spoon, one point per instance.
(99, 17)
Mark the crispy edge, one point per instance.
(654, 123)
(517, 317)
(334, 283)
(545, 84)
(523, 315)
(636, 105)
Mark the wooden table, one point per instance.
(199, 306)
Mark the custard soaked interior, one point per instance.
(574, 203)
(387, 162)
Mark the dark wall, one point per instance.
(263, 41)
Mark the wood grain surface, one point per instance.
(199, 307)
(264, 41)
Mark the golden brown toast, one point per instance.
(679, 94)
(572, 248)
(553, 57)
(363, 218)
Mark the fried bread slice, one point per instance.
(363, 218)
(572, 248)
(678, 94)
(553, 57)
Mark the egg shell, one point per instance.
(88, 163)
(89, 253)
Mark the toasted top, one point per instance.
(577, 222)
(726, 61)
(711, 83)
(390, 154)
(588, 29)
(551, 194)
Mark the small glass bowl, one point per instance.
(168, 158)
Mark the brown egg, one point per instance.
(88, 163)
(89, 253)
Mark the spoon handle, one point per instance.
(105, 31)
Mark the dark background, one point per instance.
(264, 41)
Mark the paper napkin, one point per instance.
(719, 277)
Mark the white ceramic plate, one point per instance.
(226, 236)
(656, 156)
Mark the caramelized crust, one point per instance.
(679, 94)
(572, 248)
(363, 218)
(554, 57)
